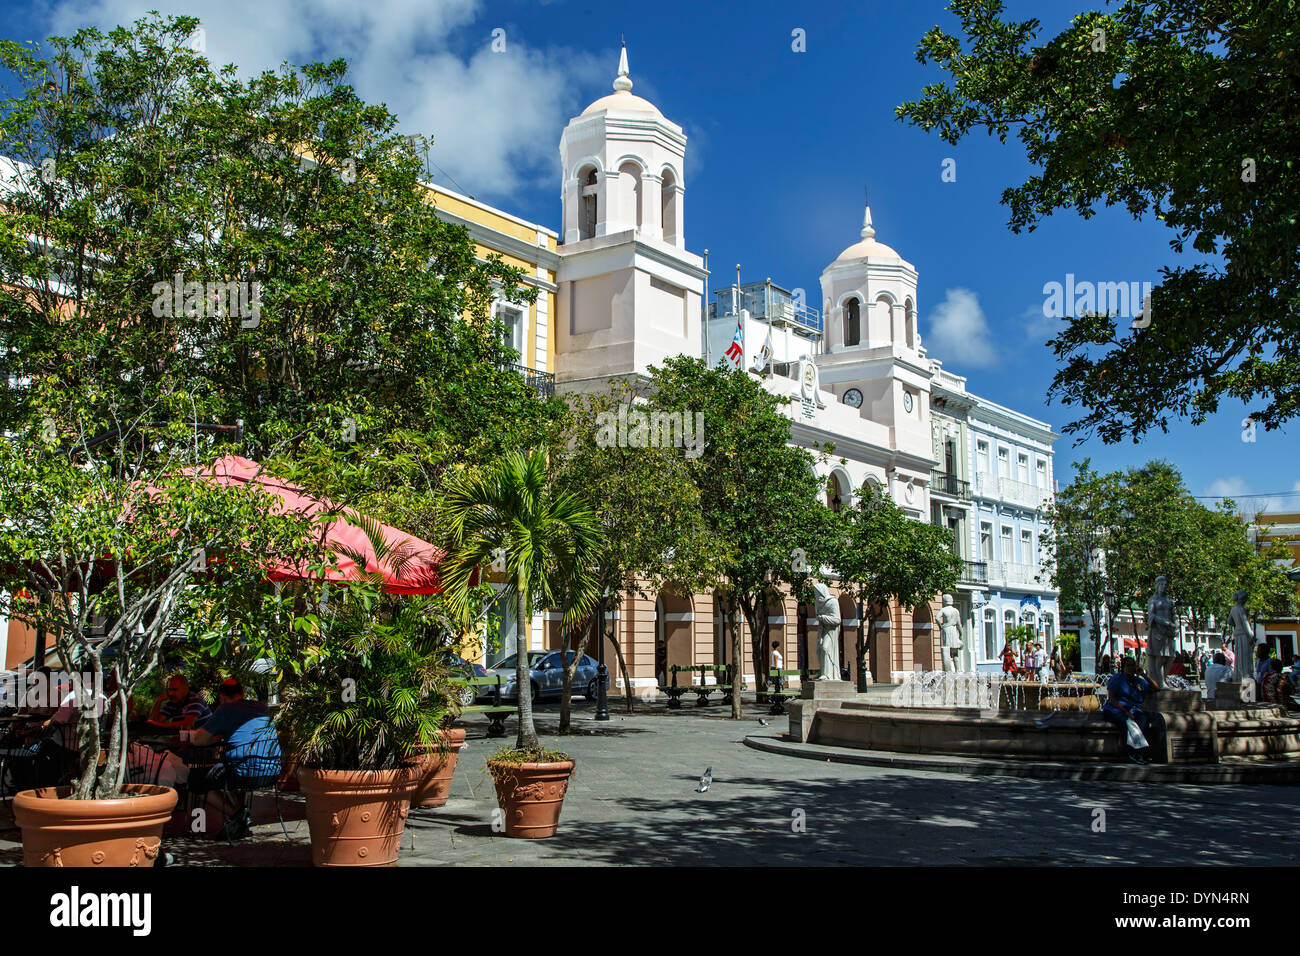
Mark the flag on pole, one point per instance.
(735, 354)
(765, 353)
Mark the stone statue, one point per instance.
(1161, 637)
(827, 609)
(1243, 637)
(950, 633)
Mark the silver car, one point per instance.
(548, 675)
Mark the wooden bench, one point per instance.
(496, 711)
(701, 690)
(780, 691)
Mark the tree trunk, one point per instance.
(756, 616)
(527, 739)
(622, 669)
(737, 657)
(860, 647)
(581, 645)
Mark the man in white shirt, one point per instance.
(1216, 672)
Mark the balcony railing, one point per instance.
(950, 485)
(1013, 574)
(1012, 491)
(543, 382)
(974, 572)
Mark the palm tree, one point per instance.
(546, 538)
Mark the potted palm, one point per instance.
(364, 709)
(515, 515)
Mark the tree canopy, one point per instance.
(1183, 110)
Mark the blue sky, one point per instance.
(781, 145)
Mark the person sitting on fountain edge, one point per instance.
(1125, 692)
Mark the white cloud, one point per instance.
(495, 117)
(1235, 487)
(959, 333)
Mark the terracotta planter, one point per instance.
(356, 817)
(532, 795)
(124, 831)
(434, 783)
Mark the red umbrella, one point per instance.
(1130, 643)
(419, 573)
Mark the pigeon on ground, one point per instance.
(706, 780)
(762, 721)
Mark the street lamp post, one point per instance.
(602, 672)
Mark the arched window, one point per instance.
(1008, 621)
(852, 322)
(588, 209)
(883, 321)
(991, 647)
(909, 324)
(1049, 630)
(629, 182)
(836, 494)
(668, 206)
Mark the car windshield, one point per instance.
(511, 662)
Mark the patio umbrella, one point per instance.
(419, 573)
(1130, 643)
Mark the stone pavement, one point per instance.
(633, 801)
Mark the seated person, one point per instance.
(1216, 672)
(250, 757)
(1286, 691)
(1268, 687)
(1178, 668)
(251, 750)
(1262, 667)
(178, 707)
(1125, 692)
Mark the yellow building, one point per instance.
(527, 246)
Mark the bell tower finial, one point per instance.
(868, 231)
(622, 81)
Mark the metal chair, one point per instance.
(256, 769)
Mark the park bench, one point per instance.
(781, 691)
(701, 690)
(496, 711)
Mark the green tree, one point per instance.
(148, 181)
(107, 533)
(1177, 109)
(514, 514)
(653, 535)
(1081, 533)
(758, 494)
(881, 554)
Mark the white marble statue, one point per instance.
(827, 609)
(1243, 638)
(949, 633)
(1161, 634)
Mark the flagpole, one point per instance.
(704, 309)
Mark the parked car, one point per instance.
(548, 675)
(463, 668)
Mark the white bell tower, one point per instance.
(872, 344)
(629, 292)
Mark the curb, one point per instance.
(1230, 773)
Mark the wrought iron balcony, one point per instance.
(542, 382)
(950, 485)
(974, 572)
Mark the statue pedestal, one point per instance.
(815, 695)
(827, 690)
(1173, 701)
(1231, 694)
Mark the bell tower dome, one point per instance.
(629, 291)
(869, 296)
(624, 168)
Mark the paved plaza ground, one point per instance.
(634, 801)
